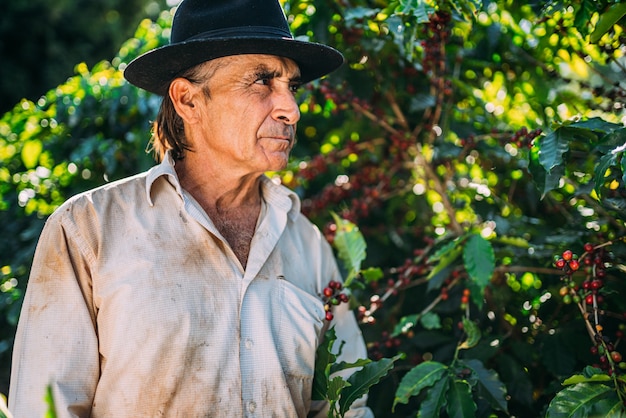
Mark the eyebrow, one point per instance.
(264, 71)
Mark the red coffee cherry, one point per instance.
(616, 356)
(596, 284)
(567, 255)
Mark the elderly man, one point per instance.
(194, 289)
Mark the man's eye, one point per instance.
(295, 87)
(265, 81)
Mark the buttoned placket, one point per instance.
(265, 239)
(263, 243)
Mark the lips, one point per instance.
(285, 135)
(284, 138)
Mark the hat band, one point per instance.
(243, 32)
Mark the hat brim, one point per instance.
(154, 70)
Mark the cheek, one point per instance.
(253, 117)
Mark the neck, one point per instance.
(218, 189)
(232, 202)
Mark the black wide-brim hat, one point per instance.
(203, 30)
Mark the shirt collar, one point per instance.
(164, 169)
(274, 194)
(277, 195)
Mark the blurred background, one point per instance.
(41, 41)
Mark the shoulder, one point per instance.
(103, 208)
(128, 190)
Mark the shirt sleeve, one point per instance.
(56, 344)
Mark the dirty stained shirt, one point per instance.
(137, 307)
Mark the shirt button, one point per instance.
(251, 406)
(248, 343)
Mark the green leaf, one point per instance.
(583, 16)
(472, 333)
(479, 259)
(51, 412)
(419, 377)
(430, 320)
(460, 403)
(578, 400)
(604, 164)
(372, 274)
(417, 8)
(362, 380)
(590, 371)
(350, 246)
(324, 359)
(613, 142)
(579, 378)
(31, 152)
(337, 367)
(552, 148)
(435, 399)
(335, 387)
(597, 125)
(606, 21)
(544, 180)
(489, 385)
(609, 407)
(445, 256)
(476, 293)
(444, 251)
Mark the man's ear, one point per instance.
(185, 95)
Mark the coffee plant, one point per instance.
(466, 163)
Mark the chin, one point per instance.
(277, 165)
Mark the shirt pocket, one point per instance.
(300, 325)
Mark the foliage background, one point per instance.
(469, 141)
(41, 41)
(41, 45)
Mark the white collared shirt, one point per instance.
(137, 307)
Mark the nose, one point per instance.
(286, 108)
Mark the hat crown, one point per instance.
(203, 30)
(228, 18)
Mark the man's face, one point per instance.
(249, 119)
